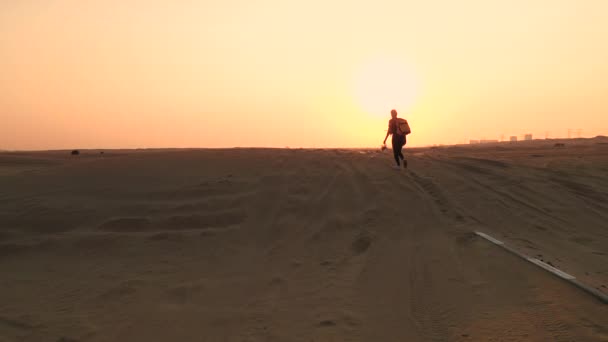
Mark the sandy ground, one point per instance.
(303, 245)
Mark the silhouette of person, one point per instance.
(398, 140)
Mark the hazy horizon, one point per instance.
(157, 74)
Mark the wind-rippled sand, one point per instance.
(303, 245)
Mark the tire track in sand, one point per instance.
(431, 191)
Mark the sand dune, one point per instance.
(303, 245)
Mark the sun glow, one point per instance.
(382, 84)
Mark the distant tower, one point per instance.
(528, 137)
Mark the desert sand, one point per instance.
(304, 244)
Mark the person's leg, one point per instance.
(401, 153)
(396, 149)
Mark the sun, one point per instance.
(382, 84)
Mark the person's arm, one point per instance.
(386, 137)
(388, 132)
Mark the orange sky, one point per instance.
(122, 74)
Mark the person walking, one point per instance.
(398, 128)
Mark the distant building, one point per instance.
(488, 141)
(472, 142)
(513, 138)
(528, 137)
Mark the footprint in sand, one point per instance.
(326, 323)
(11, 249)
(202, 221)
(66, 339)
(122, 290)
(184, 292)
(166, 236)
(361, 243)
